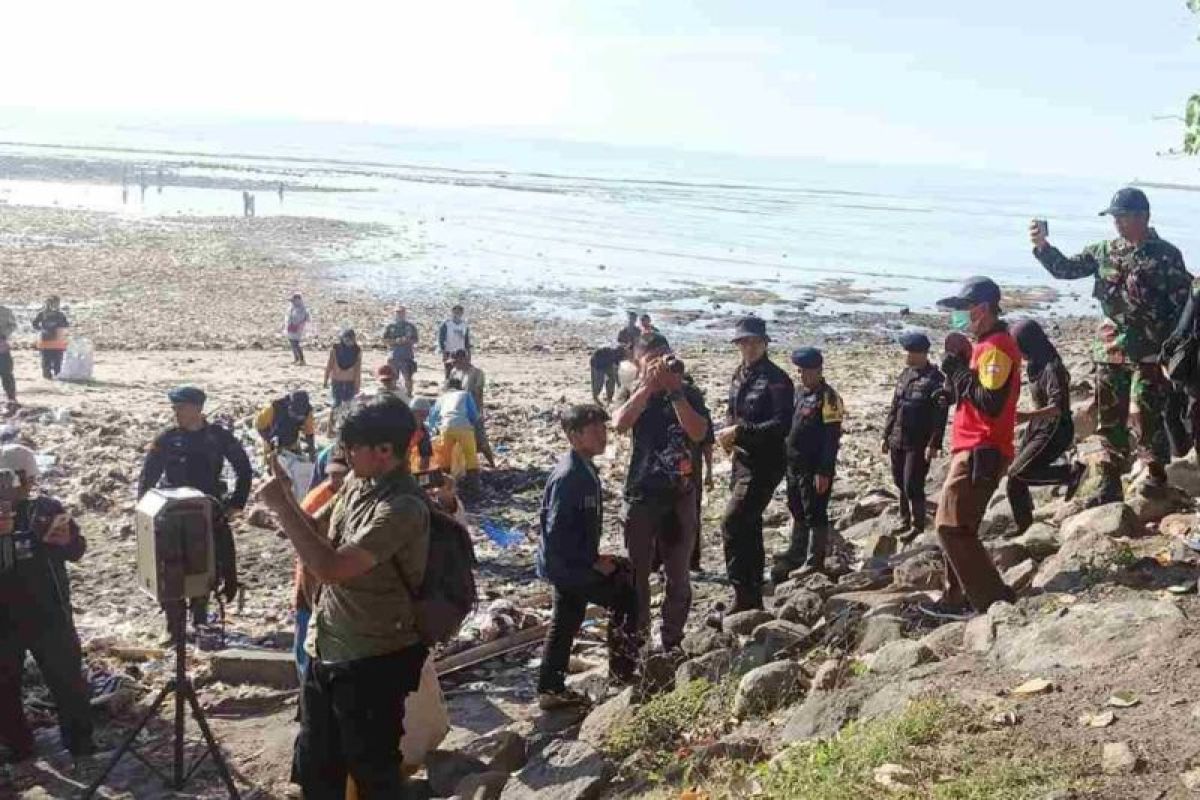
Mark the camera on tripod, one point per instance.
(175, 555)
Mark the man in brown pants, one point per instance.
(986, 381)
(668, 419)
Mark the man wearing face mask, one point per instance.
(1142, 285)
(759, 416)
(986, 381)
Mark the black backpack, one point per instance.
(446, 596)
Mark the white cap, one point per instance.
(19, 458)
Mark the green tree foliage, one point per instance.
(1191, 116)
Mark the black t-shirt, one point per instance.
(663, 459)
(605, 357)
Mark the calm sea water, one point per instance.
(534, 218)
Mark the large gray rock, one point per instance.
(607, 717)
(880, 544)
(870, 507)
(504, 751)
(801, 606)
(997, 522)
(946, 640)
(1152, 504)
(925, 570)
(1112, 519)
(259, 667)
(768, 687)
(706, 640)
(446, 768)
(1185, 475)
(482, 785)
(564, 770)
(822, 714)
(780, 638)
(712, 667)
(743, 623)
(1007, 554)
(1041, 540)
(1066, 570)
(1020, 576)
(1087, 635)
(897, 657)
(879, 630)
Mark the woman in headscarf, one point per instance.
(294, 322)
(344, 372)
(1050, 431)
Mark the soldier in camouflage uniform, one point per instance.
(1142, 286)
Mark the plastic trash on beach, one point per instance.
(78, 361)
(500, 534)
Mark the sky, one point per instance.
(1061, 86)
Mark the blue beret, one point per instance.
(807, 357)
(915, 342)
(187, 394)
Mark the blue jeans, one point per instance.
(302, 617)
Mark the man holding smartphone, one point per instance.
(35, 608)
(1142, 285)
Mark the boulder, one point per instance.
(1118, 758)
(801, 606)
(1040, 540)
(897, 657)
(712, 667)
(946, 640)
(1179, 526)
(878, 545)
(925, 570)
(1087, 635)
(864, 581)
(868, 507)
(766, 688)
(593, 683)
(658, 671)
(607, 717)
(822, 714)
(879, 630)
(1185, 475)
(864, 602)
(482, 786)
(979, 634)
(446, 768)
(1067, 569)
(1152, 504)
(1113, 520)
(814, 582)
(829, 675)
(1020, 577)
(706, 640)
(1007, 554)
(997, 522)
(743, 623)
(505, 751)
(779, 637)
(564, 770)
(259, 667)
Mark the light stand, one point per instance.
(181, 687)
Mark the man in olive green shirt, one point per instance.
(365, 651)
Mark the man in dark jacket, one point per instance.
(912, 435)
(812, 448)
(605, 364)
(49, 323)
(761, 397)
(35, 607)
(193, 454)
(572, 522)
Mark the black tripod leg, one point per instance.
(125, 745)
(218, 758)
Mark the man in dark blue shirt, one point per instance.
(569, 557)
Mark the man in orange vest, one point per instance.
(986, 381)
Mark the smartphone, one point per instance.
(1043, 227)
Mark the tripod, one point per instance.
(181, 687)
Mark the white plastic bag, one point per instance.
(426, 722)
(78, 361)
(300, 470)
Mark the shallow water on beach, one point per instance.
(573, 229)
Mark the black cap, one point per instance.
(914, 342)
(750, 326)
(298, 404)
(191, 395)
(973, 290)
(1128, 201)
(807, 357)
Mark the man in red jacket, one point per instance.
(985, 378)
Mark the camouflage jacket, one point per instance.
(1142, 290)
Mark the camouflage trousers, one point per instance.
(1143, 385)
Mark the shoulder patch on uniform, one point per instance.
(832, 410)
(994, 367)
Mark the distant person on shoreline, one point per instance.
(8, 325)
(343, 373)
(913, 432)
(453, 335)
(473, 381)
(605, 362)
(1142, 285)
(281, 191)
(294, 323)
(51, 324)
(627, 337)
(401, 338)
